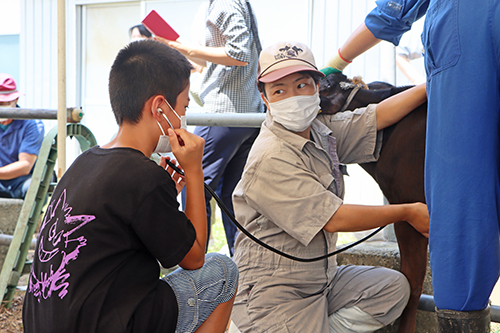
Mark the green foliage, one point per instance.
(218, 236)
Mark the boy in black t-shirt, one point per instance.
(114, 215)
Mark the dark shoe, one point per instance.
(464, 321)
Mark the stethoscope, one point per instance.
(261, 243)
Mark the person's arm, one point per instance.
(351, 218)
(216, 55)
(394, 108)
(22, 167)
(189, 157)
(382, 23)
(358, 42)
(198, 65)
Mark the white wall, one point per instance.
(10, 24)
(10, 29)
(104, 33)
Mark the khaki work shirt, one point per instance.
(289, 190)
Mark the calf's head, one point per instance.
(332, 95)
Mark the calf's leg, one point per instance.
(413, 254)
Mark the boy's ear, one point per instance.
(155, 108)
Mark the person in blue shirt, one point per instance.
(462, 60)
(20, 142)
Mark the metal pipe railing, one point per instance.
(192, 119)
(73, 115)
(225, 119)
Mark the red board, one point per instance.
(159, 27)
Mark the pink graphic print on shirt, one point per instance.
(57, 250)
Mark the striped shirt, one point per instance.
(231, 89)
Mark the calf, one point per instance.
(399, 172)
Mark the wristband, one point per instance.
(338, 62)
(340, 55)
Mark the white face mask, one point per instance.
(296, 113)
(163, 145)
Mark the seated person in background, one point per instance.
(114, 215)
(20, 142)
(139, 32)
(290, 197)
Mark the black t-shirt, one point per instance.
(112, 217)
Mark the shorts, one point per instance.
(200, 291)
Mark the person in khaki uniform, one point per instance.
(290, 197)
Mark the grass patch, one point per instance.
(217, 235)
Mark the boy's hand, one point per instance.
(188, 149)
(179, 179)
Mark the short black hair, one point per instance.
(316, 77)
(142, 30)
(141, 70)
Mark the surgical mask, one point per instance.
(163, 145)
(296, 113)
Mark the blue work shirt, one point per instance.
(392, 18)
(22, 136)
